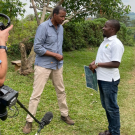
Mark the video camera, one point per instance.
(8, 97)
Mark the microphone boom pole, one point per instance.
(22, 106)
(45, 120)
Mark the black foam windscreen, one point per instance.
(46, 119)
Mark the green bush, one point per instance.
(13, 50)
(69, 32)
(125, 35)
(83, 34)
(77, 35)
(89, 33)
(23, 31)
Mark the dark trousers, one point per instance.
(108, 96)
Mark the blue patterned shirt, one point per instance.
(48, 38)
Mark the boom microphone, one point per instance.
(45, 120)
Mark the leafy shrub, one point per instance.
(14, 50)
(83, 34)
(89, 33)
(125, 35)
(77, 35)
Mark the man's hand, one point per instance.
(4, 35)
(58, 57)
(55, 55)
(92, 66)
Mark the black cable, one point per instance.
(15, 114)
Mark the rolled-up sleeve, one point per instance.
(39, 40)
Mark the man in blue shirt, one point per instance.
(49, 63)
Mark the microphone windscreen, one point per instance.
(47, 118)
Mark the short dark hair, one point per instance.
(115, 24)
(57, 9)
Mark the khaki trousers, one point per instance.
(41, 75)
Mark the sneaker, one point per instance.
(27, 128)
(67, 120)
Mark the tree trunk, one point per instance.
(26, 64)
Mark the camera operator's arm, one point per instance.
(3, 55)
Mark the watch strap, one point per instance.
(96, 64)
(3, 47)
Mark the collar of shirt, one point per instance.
(110, 38)
(50, 23)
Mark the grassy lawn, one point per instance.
(84, 103)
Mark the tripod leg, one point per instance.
(22, 106)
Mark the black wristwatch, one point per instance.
(3, 47)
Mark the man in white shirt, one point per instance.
(107, 61)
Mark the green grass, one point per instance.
(84, 103)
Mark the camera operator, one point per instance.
(3, 66)
(3, 56)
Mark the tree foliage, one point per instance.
(79, 9)
(12, 8)
(85, 8)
